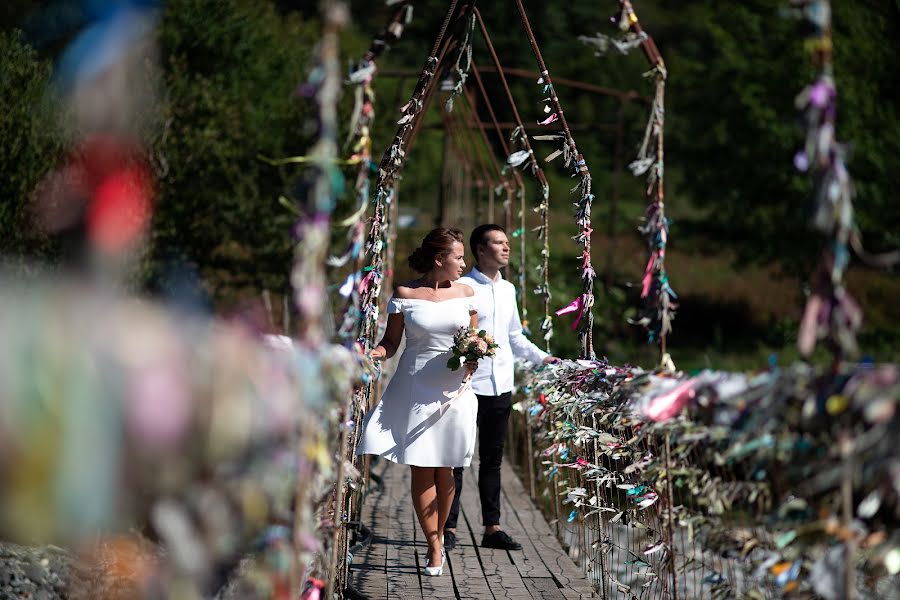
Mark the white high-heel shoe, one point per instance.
(436, 571)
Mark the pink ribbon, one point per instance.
(648, 274)
(365, 282)
(576, 304)
(668, 405)
(551, 119)
(815, 312)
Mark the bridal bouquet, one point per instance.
(469, 345)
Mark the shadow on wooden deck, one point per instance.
(390, 567)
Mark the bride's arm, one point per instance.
(389, 343)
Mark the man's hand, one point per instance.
(551, 360)
(378, 354)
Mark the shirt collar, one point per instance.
(482, 278)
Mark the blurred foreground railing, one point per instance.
(719, 485)
(177, 446)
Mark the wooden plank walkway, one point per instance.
(390, 567)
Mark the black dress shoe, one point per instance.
(450, 540)
(500, 540)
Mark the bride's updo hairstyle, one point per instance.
(438, 243)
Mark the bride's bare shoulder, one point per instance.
(466, 290)
(405, 290)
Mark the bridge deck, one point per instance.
(389, 568)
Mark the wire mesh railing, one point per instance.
(720, 485)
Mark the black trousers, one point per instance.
(493, 420)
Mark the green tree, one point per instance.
(231, 71)
(735, 69)
(29, 143)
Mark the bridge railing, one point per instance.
(718, 484)
(165, 450)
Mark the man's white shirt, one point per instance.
(498, 314)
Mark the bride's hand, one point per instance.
(471, 366)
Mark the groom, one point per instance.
(498, 313)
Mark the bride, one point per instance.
(414, 423)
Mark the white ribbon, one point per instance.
(464, 387)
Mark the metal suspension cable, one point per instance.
(379, 236)
(480, 151)
(451, 43)
(390, 33)
(359, 141)
(453, 129)
(502, 176)
(391, 162)
(511, 190)
(458, 130)
(520, 184)
(539, 171)
(487, 155)
(414, 107)
(629, 95)
(470, 103)
(426, 100)
(585, 302)
(447, 18)
(477, 178)
(545, 74)
(657, 294)
(658, 305)
(308, 277)
(490, 108)
(544, 206)
(479, 126)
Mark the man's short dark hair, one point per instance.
(478, 236)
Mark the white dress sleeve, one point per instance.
(395, 305)
(471, 306)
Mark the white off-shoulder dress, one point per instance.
(414, 423)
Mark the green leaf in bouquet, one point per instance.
(482, 333)
(454, 363)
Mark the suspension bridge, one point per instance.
(619, 481)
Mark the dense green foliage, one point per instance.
(231, 71)
(229, 74)
(29, 146)
(227, 96)
(737, 142)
